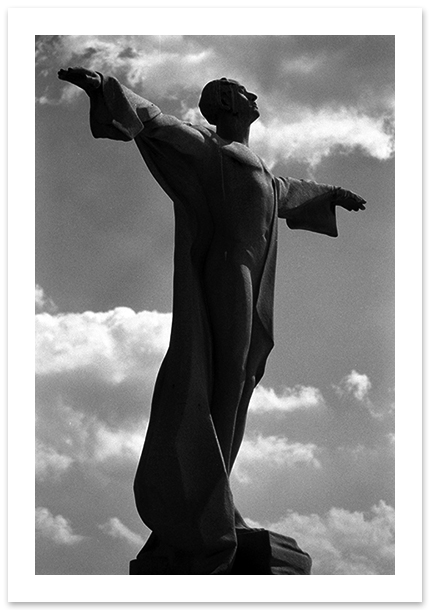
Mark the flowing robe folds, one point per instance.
(226, 204)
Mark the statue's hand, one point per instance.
(348, 200)
(81, 77)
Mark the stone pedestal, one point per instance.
(259, 551)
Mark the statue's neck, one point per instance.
(233, 130)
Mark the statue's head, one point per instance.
(227, 96)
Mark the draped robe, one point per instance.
(226, 203)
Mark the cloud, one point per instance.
(315, 134)
(344, 542)
(297, 68)
(161, 65)
(261, 452)
(116, 529)
(391, 437)
(114, 345)
(72, 436)
(310, 135)
(94, 379)
(357, 386)
(291, 399)
(318, 102)
(49, 463)
(57, 529)
(42, 302)
(95, 376)
(123, 444)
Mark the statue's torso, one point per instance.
(241, 198)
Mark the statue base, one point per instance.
(259, 551)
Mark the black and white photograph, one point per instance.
(214, 271)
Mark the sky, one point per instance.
(317, 461)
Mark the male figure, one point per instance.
(226, 203)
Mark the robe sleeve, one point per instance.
(117, 113)
(307, 205)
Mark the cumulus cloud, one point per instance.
(72, 436)
(95, 375)
(310, 135)
(163, 65)
(315, 134)
(43, 302)
(50, 464)
(357, 386)
(291, 399)
(114, 344)
(123, 444)
(176, 68)
(344, 542)
(273, 452)
(57, 529)
(116, 529)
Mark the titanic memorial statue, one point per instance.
(226, 204)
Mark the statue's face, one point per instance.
(243, 104)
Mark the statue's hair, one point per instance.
(210, 99)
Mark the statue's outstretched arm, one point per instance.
(311, 206)
(118, 113)
(115, 111)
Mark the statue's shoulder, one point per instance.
(167, 120)
(183, 136)
(242, 154)
(205, 135)
(206, 132)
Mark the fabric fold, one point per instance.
(225, 203)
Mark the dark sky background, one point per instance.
(317, 462)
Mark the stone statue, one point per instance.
(226, 203)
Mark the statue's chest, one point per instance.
(244, 193)
(241, 154)
(244, 173)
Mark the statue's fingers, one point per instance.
(63, 75)
(351, 204)
(359, 205)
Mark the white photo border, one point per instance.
(405, 25)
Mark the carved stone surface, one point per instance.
(226, 204)
(259, 551)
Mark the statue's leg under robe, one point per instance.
(182, 488)
(240, 349)
(230, 304)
